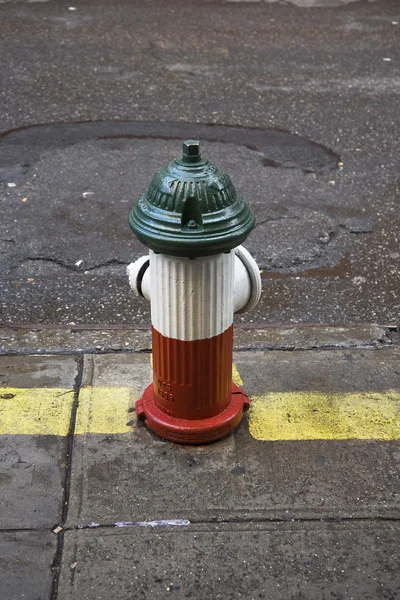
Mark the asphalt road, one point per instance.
(299, 104)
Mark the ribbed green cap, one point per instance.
(191, 209)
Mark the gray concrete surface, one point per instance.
(33, 467)
(32, 476)
(95, 99)
(33, 472)
(26, 558)
(269, 561)
(38, 371)
(259, 519)
(139, 477)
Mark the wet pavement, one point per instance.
(301, 501)
(298, 101)
(97, 98)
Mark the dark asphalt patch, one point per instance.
(65, 240)
(22, 147)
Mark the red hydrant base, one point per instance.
(193, 431)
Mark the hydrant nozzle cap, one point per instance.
(191, 151)
(191, 209)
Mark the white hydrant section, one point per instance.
(191, 299)
(195, 299)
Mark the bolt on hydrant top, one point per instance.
(191, 209)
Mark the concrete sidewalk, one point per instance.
(302, 501)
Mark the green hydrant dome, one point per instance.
(191, 209)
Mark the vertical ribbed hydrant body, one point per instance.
(196, 277)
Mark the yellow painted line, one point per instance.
(236, 377)
(273, 416)
(47, 411)
(35, 411)
(105, 410)
(323, 416)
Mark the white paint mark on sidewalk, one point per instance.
(164, 523)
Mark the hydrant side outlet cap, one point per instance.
(191, 209)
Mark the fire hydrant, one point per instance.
(196, 276)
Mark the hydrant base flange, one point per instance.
(192, 431)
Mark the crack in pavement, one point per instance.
(60, 263)
(56, 566)
(165, 524)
